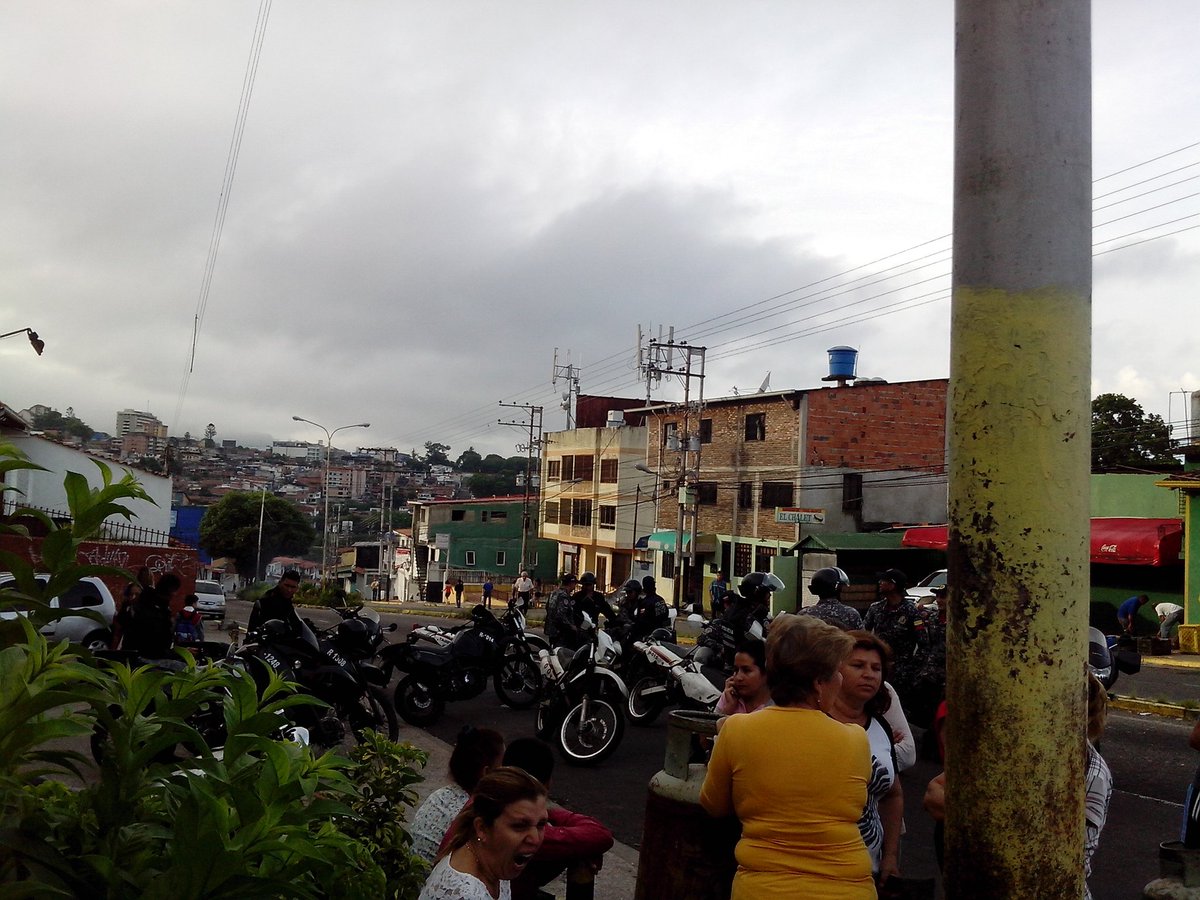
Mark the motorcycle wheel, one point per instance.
(374, 712)
(586, 741)
(417, 702)
(643, 711)
(518, 680)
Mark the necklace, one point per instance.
(490, 882)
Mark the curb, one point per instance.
(1152, 707)
(1183, 661)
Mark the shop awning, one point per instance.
(1114, 541)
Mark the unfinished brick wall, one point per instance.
(878, 426)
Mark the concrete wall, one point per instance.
(45, 489)
(1132, 495)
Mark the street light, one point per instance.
(36, 342)
(325, 487)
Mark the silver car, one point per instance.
(210, 600)
(88, 593)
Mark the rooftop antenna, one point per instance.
(570, 373)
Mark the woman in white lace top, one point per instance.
(476, 751)
(492, 840)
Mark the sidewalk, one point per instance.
(616, 880)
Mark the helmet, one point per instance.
(648, 583)
(828, 582)
(896, 577)
(587, 578)
(353, 633)
(757, 585)
(566, 578)
(632, 586)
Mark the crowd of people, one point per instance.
(146, 624)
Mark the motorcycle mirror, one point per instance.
(393, 626)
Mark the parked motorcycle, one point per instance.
(335, 665)
(666, 675)
(583, 700)
(459, 669)
(1111, 655)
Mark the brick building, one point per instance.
(866, 456)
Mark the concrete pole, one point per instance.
(1019, 449)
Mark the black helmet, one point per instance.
(353, 634)
(896, 577)
(648, 583)
(566, 578)
(759, 585)
(828, 582)
(587, 578)
(632, 586)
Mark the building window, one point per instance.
(745, 495)
(706, 493)
(585, 467)
(776, 493)
(469, 558)
(608, 471)
(483, 515)
(608, 517)
(550, 513)
(762, 558)
(706, 431)
(501, 557)
(852, 491)
(668, 565)
(670, 433)
(499, 515)
(581, 512)
(756, 426)
(568, 468)
(553, 469)
(458, 515)
(741, 560)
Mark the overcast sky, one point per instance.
(431, 197)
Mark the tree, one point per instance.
(230, 528)
(210, 435)
(468, 461)
(1125, 437)
(435, 454)
(501, 484)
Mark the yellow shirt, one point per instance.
(797, 780)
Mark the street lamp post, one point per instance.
(34, 341)
(325, 487)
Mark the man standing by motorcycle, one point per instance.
(277, 604)
(649, 612)
(592, 602)
(562, 618)
(523, 592)
(751, 607)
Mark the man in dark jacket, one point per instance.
(562, 619)
(649, 611)
(277, 604)
(150, 633)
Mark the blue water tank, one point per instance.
(843, 363)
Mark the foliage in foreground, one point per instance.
(162, 815)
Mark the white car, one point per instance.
(88, 593)
(922, 592)
(210, 600)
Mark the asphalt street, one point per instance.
(1148, 754)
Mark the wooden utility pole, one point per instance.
(1019, 449)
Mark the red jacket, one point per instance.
(568, 836)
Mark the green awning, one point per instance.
(866, 540)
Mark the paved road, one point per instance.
(1148, 755)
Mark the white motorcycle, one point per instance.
(664, 675)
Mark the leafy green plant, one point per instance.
(386, 774)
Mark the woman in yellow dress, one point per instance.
(795, 778)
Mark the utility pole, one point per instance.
(570, 374)
(533, 444)
(385, 534)
(1019, 453)
(656, 360)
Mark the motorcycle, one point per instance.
(583, 700)
(335, 665)
(666, 675)
(1111, 655)
(459, 669)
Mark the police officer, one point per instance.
(562, 618)
(826, 585)
(895, 619)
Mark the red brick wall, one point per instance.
(878, 426)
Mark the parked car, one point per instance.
(922, 592)
(210, 600)
(88, 593)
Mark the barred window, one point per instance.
(776, 493)
(608, 517)
(741, 560)
(553, 469)
(581, 512)
(608, 471)
(745, 495)
(762, 558)
(550, 514)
